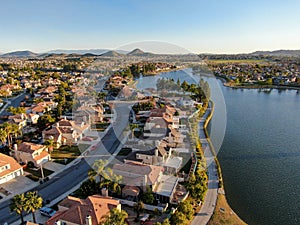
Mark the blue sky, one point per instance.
(214, 26)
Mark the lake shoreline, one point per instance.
(217, 216)
(226, 83)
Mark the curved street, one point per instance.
(74, 175)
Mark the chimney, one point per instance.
(104, 192)
(145, 183)
(88, 220)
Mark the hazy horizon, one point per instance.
(107, 49)
(198, 26)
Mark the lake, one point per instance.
(260, 153)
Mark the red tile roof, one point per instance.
(95, 206)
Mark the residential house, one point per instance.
(9, 168)
(55, 134)
(159, 121)
(175, 138)
(19, 119)
(151, 157)
(30, 152)
(89, 211)
(7, 89)
(43, 107)
(65, 132)
(160, 156)
(32, 118)
(92, 113)
(46, 91)
(138, 175)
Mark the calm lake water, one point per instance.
(260, 153)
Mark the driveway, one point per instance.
(16, 186)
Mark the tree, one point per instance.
(88, 188)
(15, 130)
(148, 197)
(17, 205)
(186, 208)
(133, 126)
(115, 217)
(49, 143)
(10, 130)
(111, 181)
(184, 85)
(102, 96)
(3, 136)
(138, 208)
(33, 202)
(16, 110)
(166, 222)
(178, 218)
(99, 167)
(44, 121)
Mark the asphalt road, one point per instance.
(15, 102)
(75, 174)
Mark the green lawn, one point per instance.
(37, 173)
(66, 152)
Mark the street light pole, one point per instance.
(42, 171)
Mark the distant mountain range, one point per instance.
(84, 51)
(278, 53)
(20, 54)
(119, 53)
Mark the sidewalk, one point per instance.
(203, 216)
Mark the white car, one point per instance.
(45, 211)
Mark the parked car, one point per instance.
(46, 211)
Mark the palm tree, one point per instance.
(115, 217)
(138, 208)
(99, 167)
(15, 130)
(115, 187)
(49, 143)
(11, 130)
(17, 205)
(16, 110)
(8, 129)
(33, 202)
(91, 174)
(3, 136)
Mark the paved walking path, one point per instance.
(207, 209)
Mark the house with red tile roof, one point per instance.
(89, 211)
(30, 152)
(9, 168)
